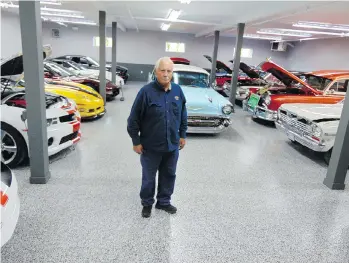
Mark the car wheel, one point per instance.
(327, 156)
(13, 146)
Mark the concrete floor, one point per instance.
(247, 195)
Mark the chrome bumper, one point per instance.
(259, 112)
(213, 130)
(305, 141)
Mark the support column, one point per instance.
(113, 58)
(214, 57)
(237, 59)
(31, 35)
(338, 167)
(102, 55)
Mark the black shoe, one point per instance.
(168, 208)
(146, 211)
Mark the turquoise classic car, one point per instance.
(208, 111)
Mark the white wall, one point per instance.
(10, 35)
(320, 54)
(132, 47)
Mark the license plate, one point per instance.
(253, 101)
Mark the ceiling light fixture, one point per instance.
(60, 23)
(317, 32)
(81, 22)
(282, 33)
(50, 2)
(58, 10)
(165, 27)
(62, 15)
(309, 38)
(173, 14)
(7, 5)
(255, 36)
(319, 25)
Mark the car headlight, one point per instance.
(267, 100)
(227, 109)
(51, 121)
(316, 130)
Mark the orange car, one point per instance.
(325, 86)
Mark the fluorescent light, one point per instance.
(317, 32)
(62, 15)
(185, 1)
(319, 25)
(173, 14)
(58, 10)
(282, 33)
(50, 3)
(60, 23)
(309, 38)
(255, 36)
(82, 22)
(165, 27)
(7, 5)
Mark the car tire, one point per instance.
(13, 136)
(327, 156)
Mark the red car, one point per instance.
(325, 87)
(54, 71)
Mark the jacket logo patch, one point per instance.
(176, 97)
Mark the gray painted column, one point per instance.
(338, 167)
(102, 55)
(31, 35)
(214, 57)
(113, 58)
(237, 59)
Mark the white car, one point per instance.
(312, 125)
(9, 203)
(80, 70)
(63, 125)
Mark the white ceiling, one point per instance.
(203, 17)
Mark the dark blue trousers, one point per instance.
(165, 163)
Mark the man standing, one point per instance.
(157, 126)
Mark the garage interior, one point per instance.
(248, 194)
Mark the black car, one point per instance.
(89, 62)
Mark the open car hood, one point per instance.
(220, 65)
(180, 61)
(247, 70)
(285, 76)
(14, 64)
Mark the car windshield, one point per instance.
(193, 79)
(59, 70)
(76, 65)
(92, 61)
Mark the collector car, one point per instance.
(10, 203)
(311, 87)
(12, 68)
(80, 70)
(312, 125)
(208, 111)
(92, 64)
(54, 71)
(62, 118)
(89, 103)
(224, 75)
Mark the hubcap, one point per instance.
(8, 147)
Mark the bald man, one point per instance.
(157, 126)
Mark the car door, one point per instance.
(337, 87)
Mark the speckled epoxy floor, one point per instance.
(244, 196)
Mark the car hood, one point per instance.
(204, 101)
(285, 76)
(109, 65)
(247, 70)
(72, 87)
(315, 112)
(220, 65)
(14, 64)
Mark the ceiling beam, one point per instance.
(133, 19)
(122, 27)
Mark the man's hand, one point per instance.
(138, 149)
(181, 143)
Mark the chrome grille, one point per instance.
(295, 124)
(204, 121)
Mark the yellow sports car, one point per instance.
(90, 104)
